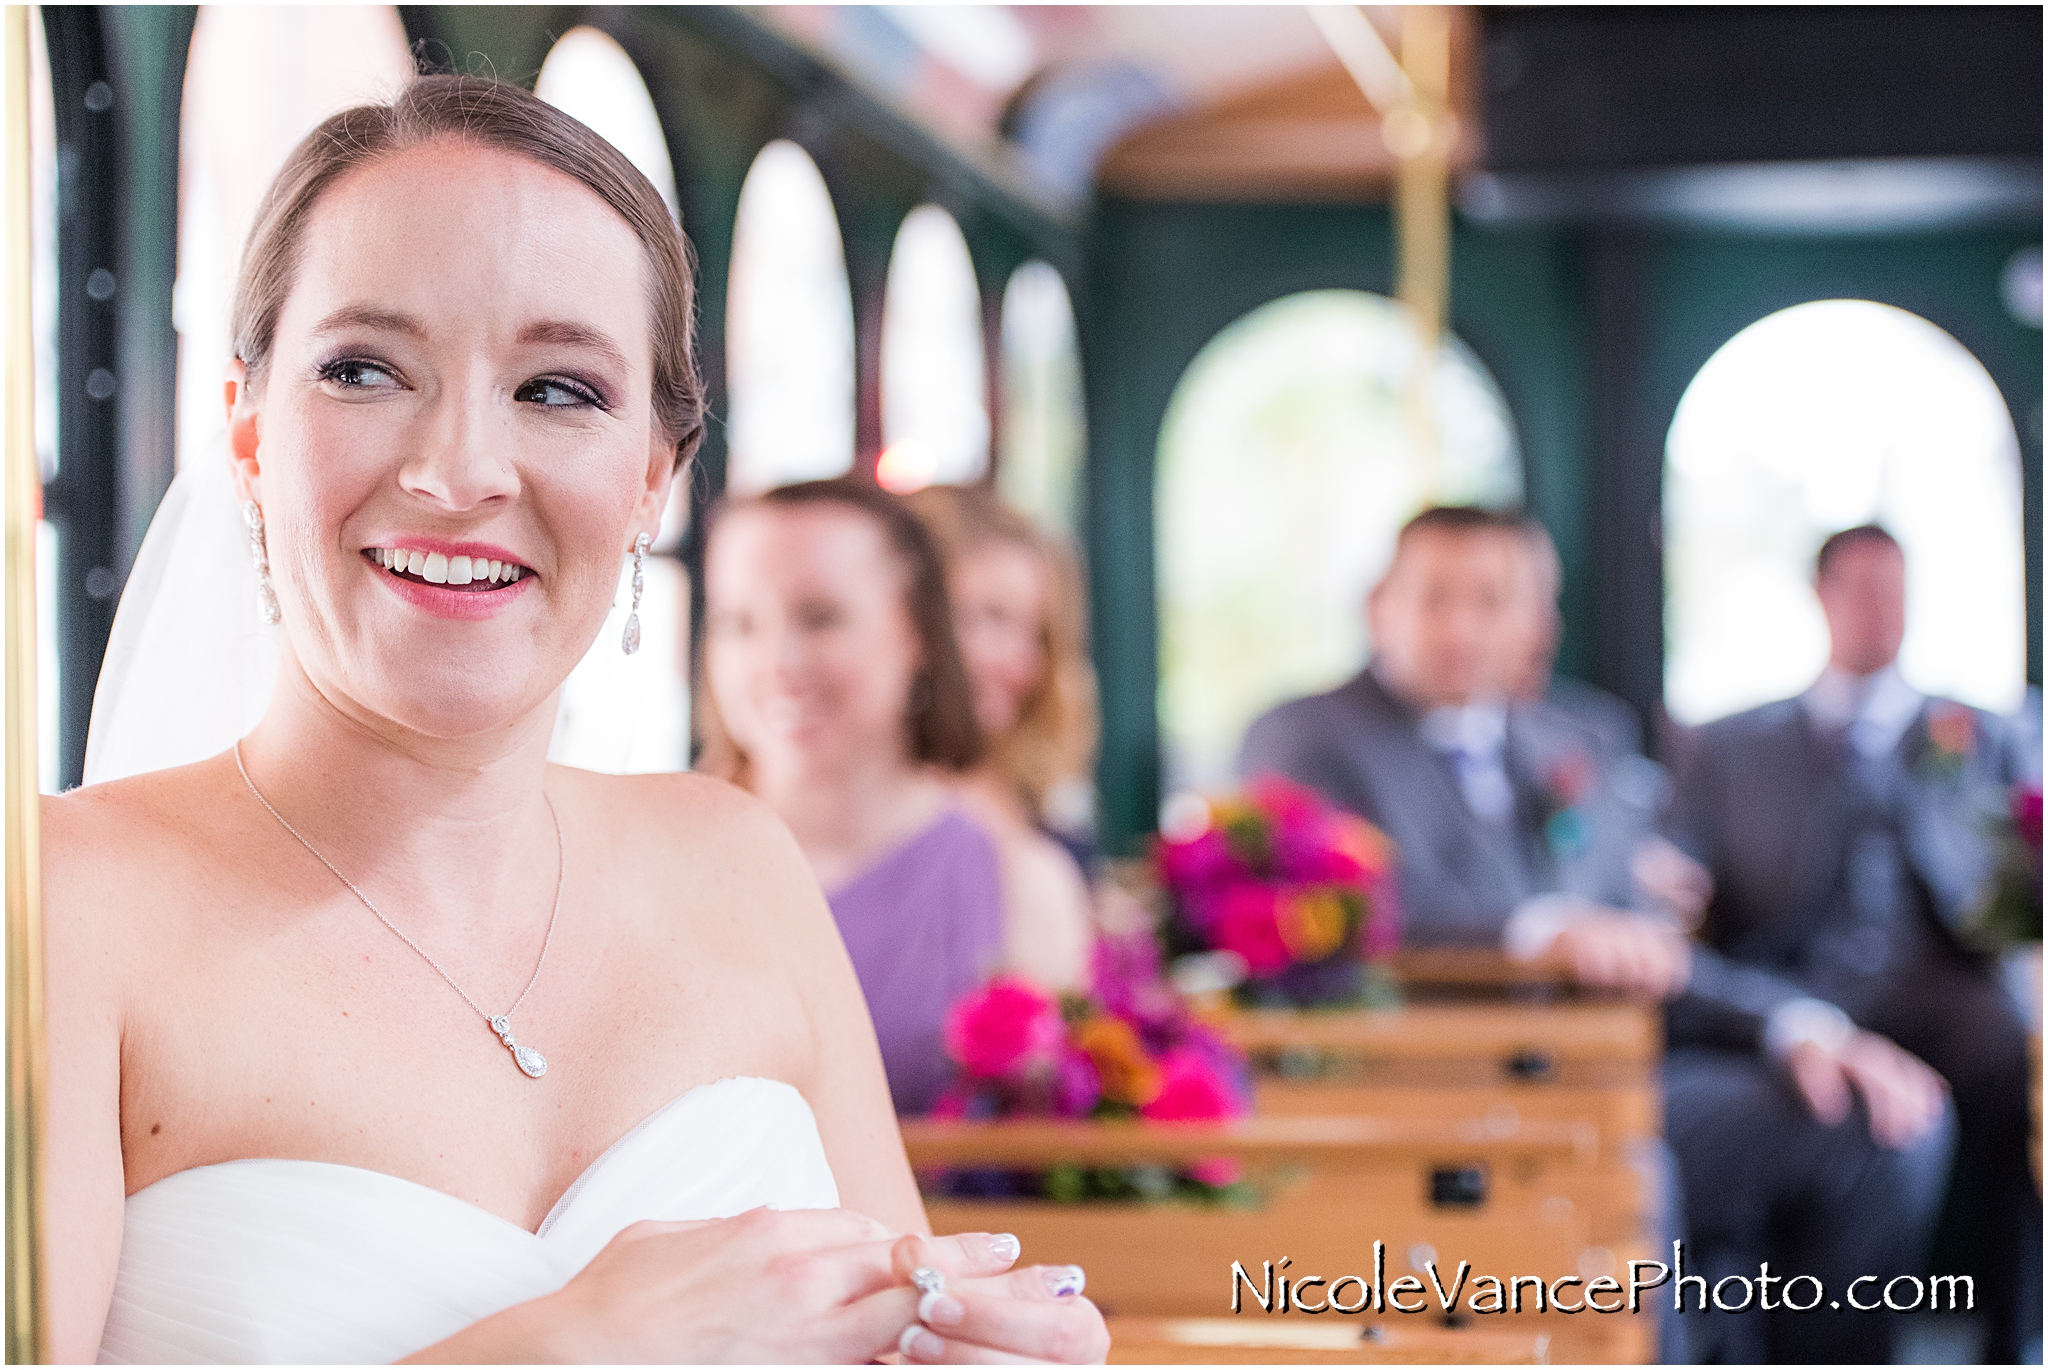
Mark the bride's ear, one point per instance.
(661, 484)
(245, 432)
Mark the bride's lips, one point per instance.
(464, 580)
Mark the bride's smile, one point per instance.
(453, 580)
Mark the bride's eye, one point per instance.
(558, 392)
(359, 373)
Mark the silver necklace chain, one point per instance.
(528, 1060)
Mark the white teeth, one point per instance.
(437, 568)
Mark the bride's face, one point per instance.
(453, 442)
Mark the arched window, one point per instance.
(1044, 431)
(1287, 462)
(1815, 419)
(244, 111)
(624, 714)
(587, 74)
(788, 329)
(934, 378)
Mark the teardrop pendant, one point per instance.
(630, 643)
(529, 1061)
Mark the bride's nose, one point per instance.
(463, 458)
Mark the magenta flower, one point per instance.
(1010, 1025)
(1247, 921)
(2026, 814)
(1192, 1090)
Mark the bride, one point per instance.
(375, 1035)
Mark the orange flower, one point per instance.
(1362, 842)
(1312, 922)
(1129, 1075)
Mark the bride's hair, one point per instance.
(495, 115)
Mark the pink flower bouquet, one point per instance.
(1130, 1051)
(1299, 891)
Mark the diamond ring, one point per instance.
(928, 1280)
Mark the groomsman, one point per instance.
(1512, 832)
(1849, 833)
(1509, 829)
(1531, 649)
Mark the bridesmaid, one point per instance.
(1022, 624)
(835, 691)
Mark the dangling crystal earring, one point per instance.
(266, 597)
(630, 643)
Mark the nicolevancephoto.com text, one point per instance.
(1274, 1291)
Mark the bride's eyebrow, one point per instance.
(353, 316)
(561, 332)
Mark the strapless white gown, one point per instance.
(297, 1261)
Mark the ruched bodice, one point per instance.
(295, 1261)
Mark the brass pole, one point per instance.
(1420, 133)
(26, 1325)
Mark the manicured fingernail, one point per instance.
(1065, 1281)
(1005, 1247)
(940, 1310)
(919, 1344)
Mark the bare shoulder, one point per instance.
(728, 853)
(112, 850)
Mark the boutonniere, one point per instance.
(1567, 785)
(1951, 738)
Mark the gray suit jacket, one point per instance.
(1600, 713)
(1764, 801)
(1460, 876)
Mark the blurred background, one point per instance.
(1720, 281)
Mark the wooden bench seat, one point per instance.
(1330, 1188)
(1298, 1341)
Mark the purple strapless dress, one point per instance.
(924, 925)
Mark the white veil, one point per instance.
(190, 664)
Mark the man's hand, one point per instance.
(1617, 950)
(1672, 880)
(1901, 1092)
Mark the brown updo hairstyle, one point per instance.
(491, 114)
(939, 722)
(1055, 733)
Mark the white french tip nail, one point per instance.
(924, 1305)
(1005, 1247)
(907, 1343)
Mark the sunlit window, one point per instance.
(244, 111)
(1288, 460)
(42, 133)
(589, 75)
(626, 714)
(1815, 419)
(934, 381)
(1044, 430)
(788, 329)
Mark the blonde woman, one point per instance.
(1018, 612)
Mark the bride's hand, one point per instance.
(811, 1286)
(1033, 1314)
